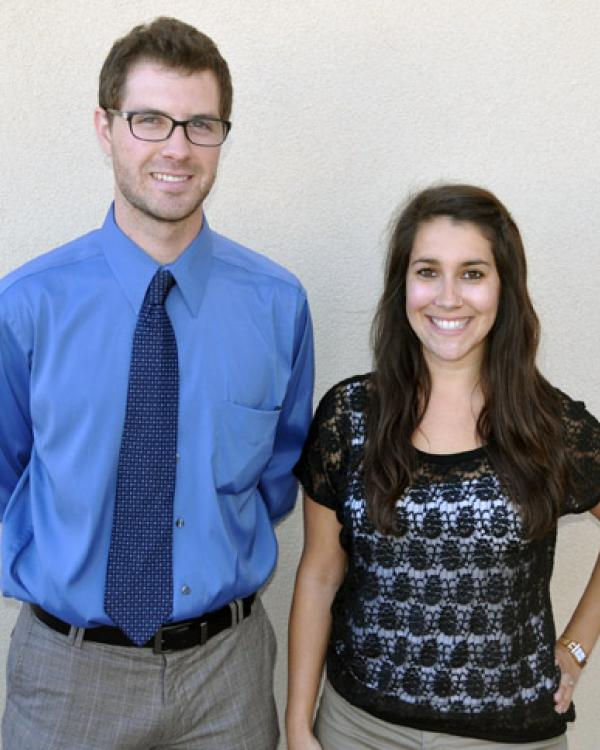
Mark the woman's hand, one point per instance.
(584, 628)
(569, 676)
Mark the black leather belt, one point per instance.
(173, 637)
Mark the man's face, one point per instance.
(165, 181)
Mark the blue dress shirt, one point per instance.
(246, 374)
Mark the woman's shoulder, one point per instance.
(574, 412)
(567, 401)
(581, 432)
(349, 395)
(333, 439)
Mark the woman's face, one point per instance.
(452, 291)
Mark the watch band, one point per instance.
(575, 649)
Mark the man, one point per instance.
(156, 386)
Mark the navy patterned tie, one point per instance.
(139, 580)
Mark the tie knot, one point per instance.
(159, 287)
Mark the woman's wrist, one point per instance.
(575, 649)
(298, 722)
(298, 734)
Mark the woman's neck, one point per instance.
(449, 424)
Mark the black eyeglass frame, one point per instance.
(128, 116)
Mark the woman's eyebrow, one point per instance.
(435, 262)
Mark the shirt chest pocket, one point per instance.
(244, 440)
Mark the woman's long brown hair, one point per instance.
(520, 423)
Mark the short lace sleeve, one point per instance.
(582, 432)
(324, 460)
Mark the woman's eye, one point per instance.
(473, 274)
(426, 273)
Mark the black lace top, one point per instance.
(447, 626)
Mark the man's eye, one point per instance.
(203, 126)
(148, 120)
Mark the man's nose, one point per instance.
(177, 144)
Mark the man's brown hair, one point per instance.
(169, 42)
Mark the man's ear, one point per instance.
(102, 123)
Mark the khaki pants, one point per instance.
(341, 726)
(67, 694)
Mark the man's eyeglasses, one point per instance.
(156, 126)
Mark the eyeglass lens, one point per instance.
(156, 127)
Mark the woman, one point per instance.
(433, 487)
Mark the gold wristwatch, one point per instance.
(575, 649)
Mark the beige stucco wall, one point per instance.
(341, 107)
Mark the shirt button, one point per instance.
(185, 589)
(180, 523)
(178, 456)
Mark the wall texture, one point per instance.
(341, 108)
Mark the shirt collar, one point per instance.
(133, 268)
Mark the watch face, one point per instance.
(575, 649)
